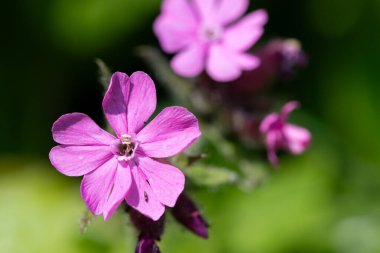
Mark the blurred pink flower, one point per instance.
(118, 168)
(279, 134)
(205, 34)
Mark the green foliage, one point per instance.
(210, 176)
(90, 25)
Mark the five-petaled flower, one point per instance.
(279, 134)
(205, 34)
(124, 167)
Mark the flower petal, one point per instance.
(244, 34)
(129, 102)
(79, 129)
(141, 197)
(267, 122)
(288, 108)
(105, 188)
(190, 61)
(230, 10)
(271, 140)
(96, 187)
(115, 103)
(297, 138)
(142, 101)
(78, 160)
(172, 131)
(205, 9)
(247, 61)
(121, 185)
(176, 27)
(167, 181)
(222, 65)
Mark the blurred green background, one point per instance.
(327, 200)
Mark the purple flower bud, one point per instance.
(147, 226)
(280, 59)
(146, 244)
(291, 57)
(187, 213)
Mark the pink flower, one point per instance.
(205, 34)
(123, 167)
(279, 134)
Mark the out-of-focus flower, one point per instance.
(121, 167)
(146, 244)
(207, 35)
(187, 213)
(280, 58)
(291, 56)
(281, 135)
(246, 125)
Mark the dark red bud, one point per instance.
(186, 212)
(146, 244)
(146, 225)
(291, 57)
(280, 59)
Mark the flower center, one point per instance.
(124, 148)
(211, 33)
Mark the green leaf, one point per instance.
(254, 174)
(211, 176)
(183, 90)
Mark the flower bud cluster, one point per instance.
(185, 212)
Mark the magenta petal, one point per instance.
(167, 181)
(230, 10)
(176, 26)
(272, 157)
(79, 129)
(115, 103)
(247, 31)
(172, 131)
(205, 9)
(267, 122)
(142, 101)
(189, 62)
(288, 108)
(129, 102)
(247, 61)
(222, 64)
(78, 160)
(122, 183)
(272, 142)
(96, 187)
(141, 197)
(297, 138)
(105, 188)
